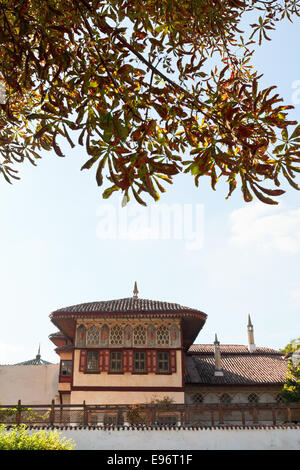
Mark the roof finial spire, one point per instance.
(135, 291)
(39, 352)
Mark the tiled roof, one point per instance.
(239, 366)
(229, 349)
(127, 305)
(33, 362)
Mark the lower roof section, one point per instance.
(240, 367)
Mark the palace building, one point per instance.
(134, 350)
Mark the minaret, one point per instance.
(218, 369)
(135, 291)
(251, 344)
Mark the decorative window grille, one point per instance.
(162, 335)
(139, 335)
(139, 361)
(253, 398)
(163, 362)
(116, 361)
(92, 361)
(116, 335)
(279, 398)
(66, 368)
(197, 398)
(225, 399)
(93, 335)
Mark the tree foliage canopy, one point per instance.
(137, 83)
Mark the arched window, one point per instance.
(225, 399)
(116, 335)
(253, 398)
(92, 335)
(139, 335)
(162, 335)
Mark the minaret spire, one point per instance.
(135, 291)
(251, 343)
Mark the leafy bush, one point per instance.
(291, 388)
(18, 438)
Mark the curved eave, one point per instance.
(192, 321)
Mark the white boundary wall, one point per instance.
(32, 384)
(272, 438)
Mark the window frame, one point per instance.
(61, 367)
(111, 370)
(158, 370)
(96, 369)
(139, 371)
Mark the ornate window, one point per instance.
(197, 398)
(225, 399)
(116, 361)
(92, 361)
(116, 335)
(139, 361)
(163, 362)
(252, 398)
(139, 335)
(92, 335)
(162, 335)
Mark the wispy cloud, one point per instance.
(270, 228)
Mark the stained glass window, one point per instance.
(93, 335)
(116, 335)
(162, 335)
(139, 335)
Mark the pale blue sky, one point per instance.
(51, 256)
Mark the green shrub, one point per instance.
(18, 438)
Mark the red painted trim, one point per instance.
(149, 314)
(65, 378)
(73, 360)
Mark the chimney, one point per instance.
(218, 369)
(251, 344)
